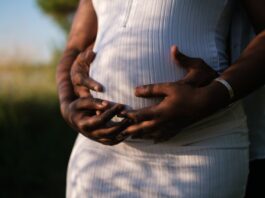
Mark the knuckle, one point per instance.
(90, 123)
(95, 101)
(82, 57)
(153, 123)
(77, 79)
(72, 106)
(80, 125)
(148, 89)
(77, 91)
(138, 117)
(99, 120)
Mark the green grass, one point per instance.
(35, 142)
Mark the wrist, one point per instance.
(216, 96)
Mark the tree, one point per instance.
(61, 11)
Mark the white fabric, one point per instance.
(127, 171)
(207, 159)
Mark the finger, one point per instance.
(142, 128)
(200, 76)
(78, 73)
(92, 84)
(82, 92)
(92, 123)
(180, 59)
(144, 114)
(110, 142)
(167, 132)
(86, 57)
(90, 104)
(98, 112)
(112, 131)
(191, 78)
(153, 90)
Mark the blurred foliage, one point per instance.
(60, 10)
(35, 142)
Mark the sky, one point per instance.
(26, 33)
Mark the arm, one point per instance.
(83, 34)
(247, 73)
(80, 112)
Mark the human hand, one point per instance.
(82, 82)
(199, 74)
(81, 115)
(183, 102)
(87, 115)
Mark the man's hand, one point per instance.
(198, 74)
(183, 102)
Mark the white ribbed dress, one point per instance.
(206, 160)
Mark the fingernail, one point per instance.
(104, 103)
(98, 88)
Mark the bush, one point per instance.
(35, 143)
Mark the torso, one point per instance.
(134, 39)
(133, 48)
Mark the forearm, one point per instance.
(248, 72)
(82, 35)
(63, 79)
(245, 75)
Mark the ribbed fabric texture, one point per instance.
(206, 160)
(126, 172)
(134, 40)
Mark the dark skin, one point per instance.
(198, 74)
(246, 75)
(80, 112)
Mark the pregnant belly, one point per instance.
(122, 67)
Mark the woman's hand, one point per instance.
(81, 80)
(81, 115)
(184, 102)
(87, 115)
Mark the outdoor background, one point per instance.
(35, 142)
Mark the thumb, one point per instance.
(181, 59)
(87, 57)
(152, 90)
